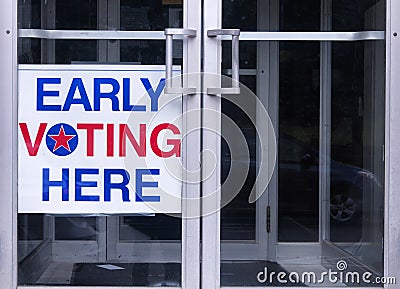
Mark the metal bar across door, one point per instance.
(159, 35)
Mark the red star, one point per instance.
(61, 140)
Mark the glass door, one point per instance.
(290, 121)
(317, 69)
(138, 249)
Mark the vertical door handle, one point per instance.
(235, 89)
(169, 35)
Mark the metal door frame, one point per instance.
(211, 249)
(107, 244)
(8, 155)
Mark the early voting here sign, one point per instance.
(98, 139)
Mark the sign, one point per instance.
(98, 139)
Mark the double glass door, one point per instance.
(283, 155)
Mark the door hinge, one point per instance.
(268, 219)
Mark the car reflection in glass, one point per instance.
(351, 191)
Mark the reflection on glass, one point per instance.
(30, 233)
(150, 14)
(357, 15)
(75, 228)
(294, 15)
(73, 51)
(146, 52)
(75, 14)
(357, 138)
(154, 227)
(238, 218)
(298, 199)
(239, 14)
(301, 15)
(356, 197)
(321, 218)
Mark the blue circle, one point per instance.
(59, 145)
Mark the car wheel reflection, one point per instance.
(342, 207)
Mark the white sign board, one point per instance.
(98, 139)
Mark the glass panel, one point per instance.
(66, 250)
(239, 14)
(73, 51)
(298, 199)
(357, 15)
(75, 228)
(357, 138)
(30, 233)
(29, 13)
(151, 14)
(150, 52)
(357, 168)
(289, 229)
(294, 15)
(298, 15)
(71, 16)
(238, 218)
(74, 15)
(155, 227)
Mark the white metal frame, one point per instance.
(190, 226)
(211, 227)
(392, 141)
(8, 153)
(212, 52)
(108, 51)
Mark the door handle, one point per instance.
(235, 89)
(169, 35)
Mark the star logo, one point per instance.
(62, 139)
